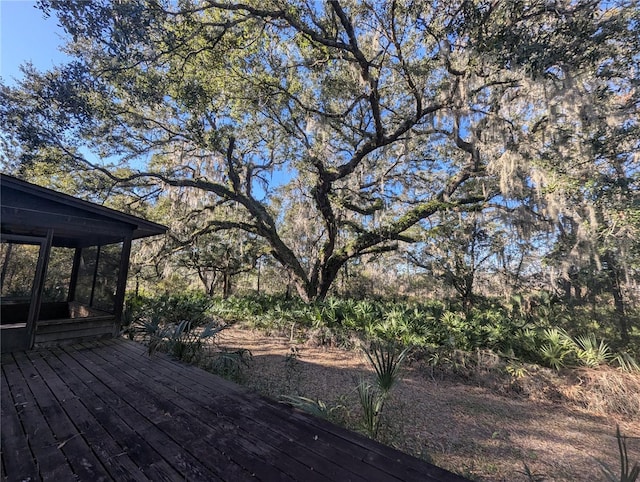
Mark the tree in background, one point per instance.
(199, 242)
(456, 249)
(590, 154)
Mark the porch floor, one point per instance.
(107, 411)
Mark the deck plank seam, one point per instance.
(250, 437)
(82, 359)
(381, 465)
(157, 461)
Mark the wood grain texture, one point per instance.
(106, 411)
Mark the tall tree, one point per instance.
(588, 188)
(456, 250)
(379, 114)
(200, 241)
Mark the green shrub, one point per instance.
(191, 306)
(626, 362)
(556, 348)
(230, 364)
(182, 340)
(386, 359)
(590, 353)
(530, 329)
(372, 403)
(316, 407)
(176, 308)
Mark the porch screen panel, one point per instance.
(85, 274)
(107, 277)
(56, 285)
(18, 264)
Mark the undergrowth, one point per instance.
(183, 326)
(539, 331)
(502, 345)
(538, 334)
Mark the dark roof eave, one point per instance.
(143, 228)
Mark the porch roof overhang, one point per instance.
(30, 210)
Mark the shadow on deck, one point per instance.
(106, 411)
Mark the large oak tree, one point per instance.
(366, 117)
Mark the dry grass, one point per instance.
(484, 427)
(606, 391)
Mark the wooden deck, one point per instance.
(106, 411)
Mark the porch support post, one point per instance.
(95, 275)
(123, 272)
(38, 286)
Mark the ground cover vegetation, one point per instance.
(547, 334)
(399, 339)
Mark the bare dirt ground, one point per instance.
(467, 427)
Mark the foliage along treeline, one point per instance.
(434, 328)
(477, 138)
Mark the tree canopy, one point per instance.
(336, 129)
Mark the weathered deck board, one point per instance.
(50, 461)
(212, 423)
(168, 425)
(265, 417)
(291, 422)
(121, 466)
(153, 452)
(106, 411)
(75, 449)
(272, 435)
(16, 455)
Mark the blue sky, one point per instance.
(25, 35)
